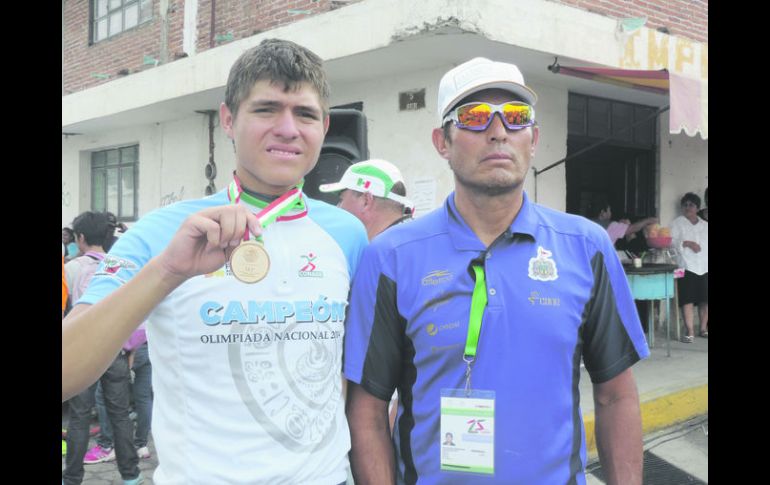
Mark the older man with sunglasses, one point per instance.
(480, 313)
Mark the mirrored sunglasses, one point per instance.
(477, 116)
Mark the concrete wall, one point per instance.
(173, 155)
(404, 137)
(684, 162)
(172, 160)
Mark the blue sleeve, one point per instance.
(374, 328)
(146, 239)
(613, 335)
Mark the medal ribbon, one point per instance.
(273, 211)
(478, 303)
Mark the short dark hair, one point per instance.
(399, 189)
(690, 197)
(597, 205)
(278, 61)
(94, 226)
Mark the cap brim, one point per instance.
(335, 187)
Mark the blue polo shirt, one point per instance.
(556, 293)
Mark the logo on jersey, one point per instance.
(309, 269)
(112, 265)
(292, 386)
(433, 329)
(543, 268)
(321, 310)
(536, 299)
(220, 273)
(476, 426)
(437, 277)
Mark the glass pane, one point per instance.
(97, 190)
(113, 157)
(127, 192)
(98, 159)
(598, 118)
(622, 117)
(116, 23)
(114, 4)
(132, 16)
(644, 133)
(128, 155)
(576, 115)
(112, 190)
(101, 29)
(146, 10)
(101, 8)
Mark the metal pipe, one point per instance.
(601, 142)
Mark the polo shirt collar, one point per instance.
(527, 220)
(464, 239)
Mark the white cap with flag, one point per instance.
(374, 176)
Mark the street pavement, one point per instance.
(673, 393)
(107, 473)
(676, 455)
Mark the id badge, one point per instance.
(468, 431)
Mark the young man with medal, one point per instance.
(245, 294)
(480, 313)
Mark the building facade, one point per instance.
(142, 81)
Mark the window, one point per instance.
(622, 169)
(111, 17)
(606, 118)
(114, 180)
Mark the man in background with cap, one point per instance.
(480, 313)
(373, 191)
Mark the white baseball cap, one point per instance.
(477, 74)
(374, 176)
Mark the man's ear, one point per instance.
(226, 119)
(440, 142)
(368, 200)
(535, 139)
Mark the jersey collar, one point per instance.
(464, 239)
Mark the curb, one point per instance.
(658, 413)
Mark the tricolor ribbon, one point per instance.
(274, 211)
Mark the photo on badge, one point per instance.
(467, 431)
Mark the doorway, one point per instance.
(623, 168)
(624, 176)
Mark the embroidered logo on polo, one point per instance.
(536, 299)
(112, 265)
(437, 277)
(542, 267)
(433, 329)
(309, 269)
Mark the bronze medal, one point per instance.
(249, 262)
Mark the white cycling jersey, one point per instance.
(247, 377)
